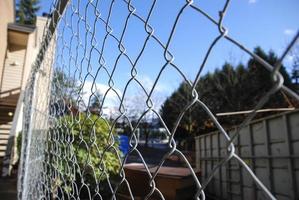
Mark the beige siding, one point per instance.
(16, 76)
(13, 68)
(43, 82)
(6, 16)
(34, 42)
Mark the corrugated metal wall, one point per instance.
(269, 146)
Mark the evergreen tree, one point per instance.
(26, 11)
(261, 81)
(172, 107)
(232, 88)
(295, 68)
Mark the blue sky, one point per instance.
(266, 23)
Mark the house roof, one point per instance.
(21, 28)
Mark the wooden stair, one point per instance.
(4, 136)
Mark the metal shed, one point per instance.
(270, 146)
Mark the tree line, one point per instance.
(231, 88)
(26, 11)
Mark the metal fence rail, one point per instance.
(67, 146)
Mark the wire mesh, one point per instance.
(69, 145)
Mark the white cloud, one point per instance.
(111, 98)
(161, 90)
(289, 60)
(112, 101)
(252, 1)
(289, 32)
(148, 83)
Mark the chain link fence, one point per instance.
(69, 143)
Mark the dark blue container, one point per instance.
(124, 144)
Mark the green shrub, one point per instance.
(84, 144)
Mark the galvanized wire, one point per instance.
(50, 166)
